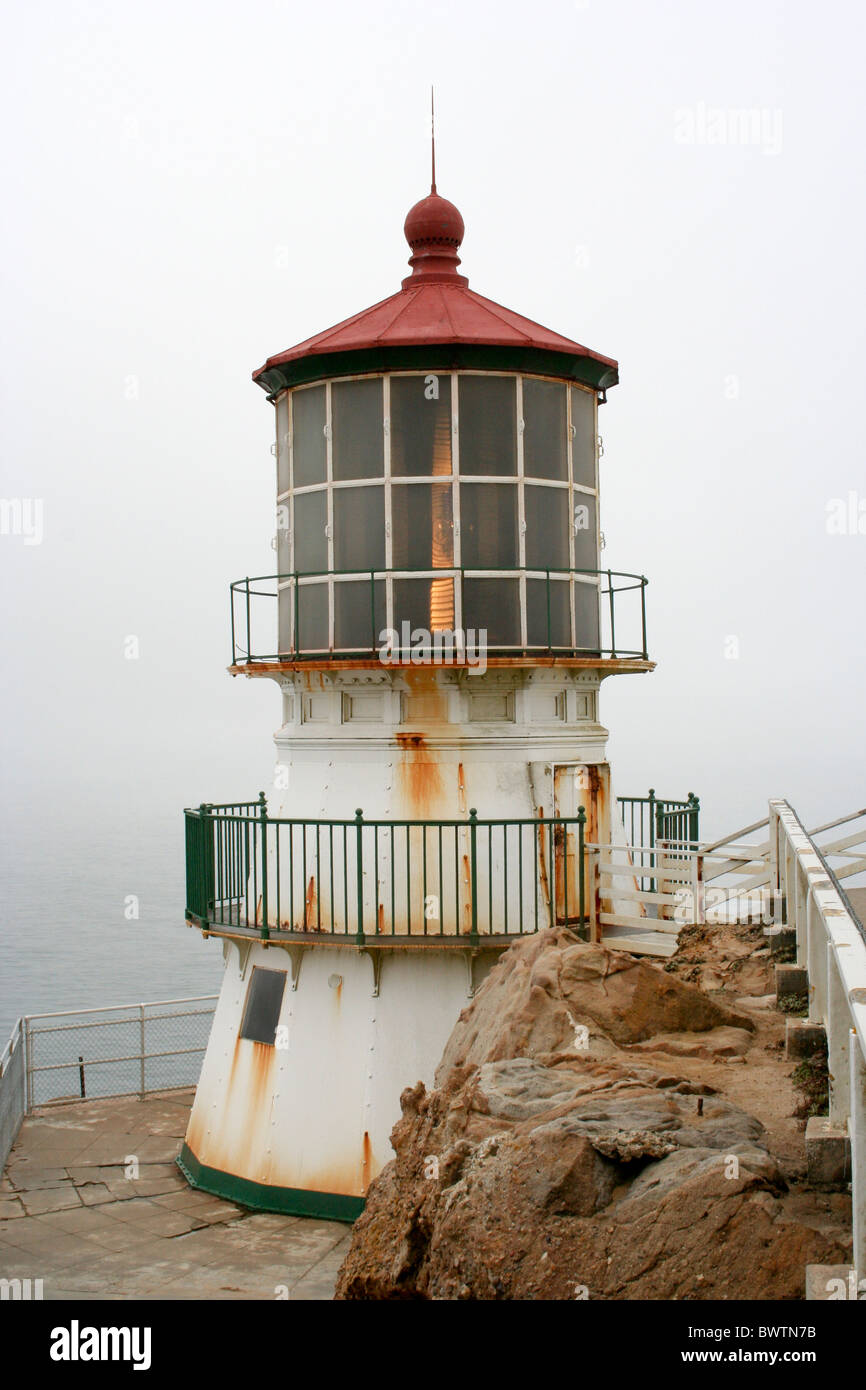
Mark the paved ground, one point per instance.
(71, 1216)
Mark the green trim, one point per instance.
(292, 1201)
(300, 371)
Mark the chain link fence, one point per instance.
(127, 1049)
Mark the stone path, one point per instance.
(77, 1213)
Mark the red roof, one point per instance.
(434, 306)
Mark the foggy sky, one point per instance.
(190, 188)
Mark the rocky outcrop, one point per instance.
(556, 1159)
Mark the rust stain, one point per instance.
(366, 1161)
(542, 863)
(380, 925)
(420, 776)
(310, 905)
(461, 789)
(467, 905)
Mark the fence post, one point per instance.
(581, 874)
(473, 873)
(694, 818)
(594, 894)
(652, 835)
(263, 812)
(141, 1040)
(359, 870)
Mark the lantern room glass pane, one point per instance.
(488, 425)
(544, 429)
(546, 516)
(358, 432)
(359, 614)
(311, 543)
(359, 528)
(583, 451)
(425, 604)
(494, 605)
(488, 526)
(308, 437)
(585, 531)
(313, 616)
(422, 529)
(543, 630)
(586, 617)
(282, 414)
(420, 426)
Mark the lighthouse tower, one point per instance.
(439, 629)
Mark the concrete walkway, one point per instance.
(92, 1203)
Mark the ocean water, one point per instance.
(93, 913)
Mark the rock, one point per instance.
(536, 1166)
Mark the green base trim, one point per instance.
(292, 1201)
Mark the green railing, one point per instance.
(565, 612)
(649, 819)
(380, 881)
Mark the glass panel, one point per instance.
(583, 445)
(422, 531)
(283, 483)
(586, 616)
(356, 411)
(536, 613)
(544, 451)
(420, 426)
(488, 425)
(359, 614)
(284, 536)
(262, 1009)
(308, 436)
(488, 526)
(313, 616)
(546, 514)
(585, 532)
(494, 605)
(359, 528)
(424, 603)
(311, 543)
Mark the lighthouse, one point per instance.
(439, 628)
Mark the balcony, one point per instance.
(514, 617)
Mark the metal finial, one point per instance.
(432, 144)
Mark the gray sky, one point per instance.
(192, 187)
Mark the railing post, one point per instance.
(141, 1043)
(359, 829)
(206, 861)
(373, 610)
(652, 835)
(297, 614)
(249, 627)
(583, 932)
(643, 613)
(612, 618)
(473, 867)
(263, 812)
(694, 817)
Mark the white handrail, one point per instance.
(832, 946)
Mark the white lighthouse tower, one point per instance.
(439, 629)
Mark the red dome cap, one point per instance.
(433, 219)
(434, 230)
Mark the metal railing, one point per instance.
(650, 819)
(831, 944)
(374, 881)
(300, 593)
(125, 1049)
